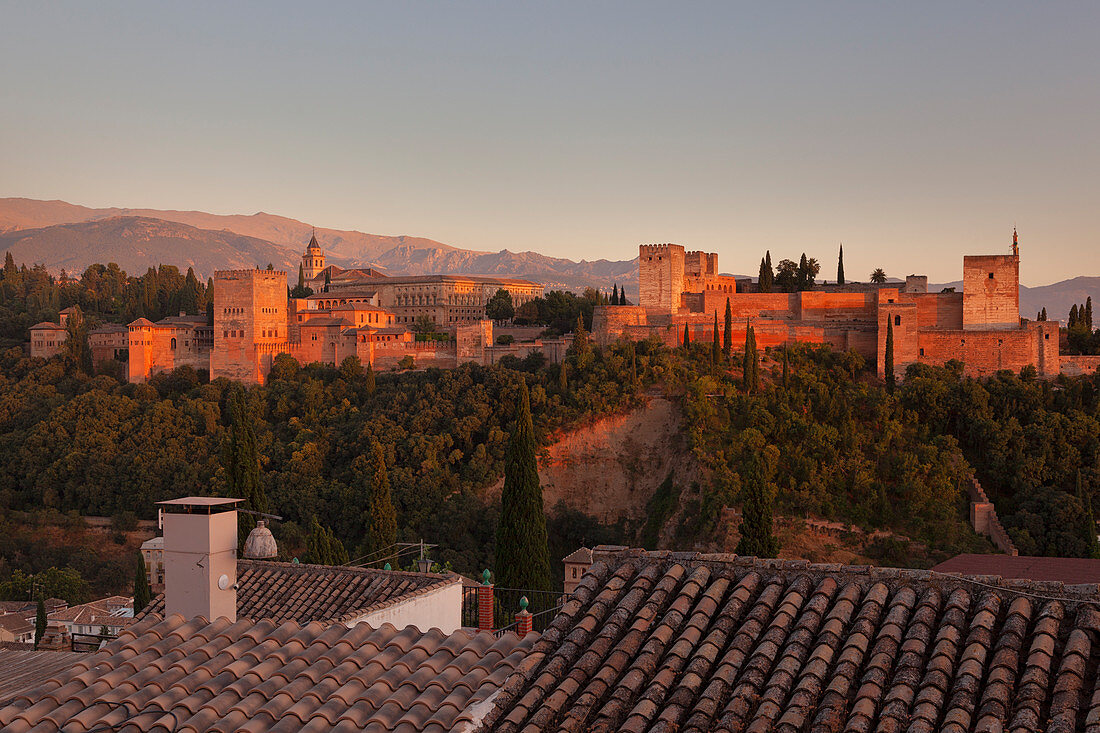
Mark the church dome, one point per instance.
(260, 544)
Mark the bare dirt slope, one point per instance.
(609, 469)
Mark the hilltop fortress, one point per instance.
(361, 313)
(981, 326)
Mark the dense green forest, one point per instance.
(846, 448)
(814, 432)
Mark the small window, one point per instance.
(173, 344)
(991, 276)
(1046, 336)
(922, 352)
(897, 320)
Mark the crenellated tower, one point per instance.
(660, 276)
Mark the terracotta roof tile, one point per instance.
(686, 642)
(303, 593)
(264, 676)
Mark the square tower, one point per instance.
(660, 276)
(250, 323)
(991, 292)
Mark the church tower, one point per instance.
(313, 261)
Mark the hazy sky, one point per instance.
(911, 132)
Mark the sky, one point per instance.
(910, 132)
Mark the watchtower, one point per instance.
(660, 276)
(313, 259)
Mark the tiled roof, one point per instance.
(196, 676)
(688, 642)
(110, 328)
(96, 612)
(16, 623)
(581, 554)
(47, 326)
(283, 591)
(22, 669)
(1072, 570)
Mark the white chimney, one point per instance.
(200, 557)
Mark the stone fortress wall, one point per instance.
(980, 326)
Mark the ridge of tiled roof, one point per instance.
(46, 325)
(581, 554)
(667, 641)
(282, 591)
(174, 674)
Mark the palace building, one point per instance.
(981, 326)
(361, 313)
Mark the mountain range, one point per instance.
(66, 236)
(62, 235)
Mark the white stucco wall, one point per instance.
(439, 608)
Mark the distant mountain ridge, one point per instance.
(63, 235)
(287, 238)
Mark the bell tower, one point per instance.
(313, 260)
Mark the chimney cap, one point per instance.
(260, 544)
(205, 504)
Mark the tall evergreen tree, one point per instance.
(581, 349)
(1072, 317)
(715, 345)
(756, 511)
(687, 336)
(379, 516)
(522, 552)
(615, 294)
(803, 273)
(768, 271)
(143, 594)
(301, 278)
(1044, 313)
(889, 358)
(39, 617)
(242, 464)
(633, 364)
(750, 366)
(323, 547)
(1088, 313)
(727, 332)
(840, 267)
(762, 278)
(563, 378)
(1088, 521)
(368, 379)
(10, 270)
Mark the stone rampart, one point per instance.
(1074, 365)
(983, 517)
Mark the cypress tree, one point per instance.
(242, 464)
(889, 358)
(727, 332)
(522, 553)
(615, 294)
(768, 271)
(803, 273)
(715, 346)
(39, 616)
(1088, 521)
(10, 269)
(687, 336)
(1088, 313)
(756, 514)
(563, 378)
(301, 278)
(1072, 317)
(1044, 315)
(840, 267)
(379, 517)
(750, 366)
(762, 278)
(143, 594)
(633, 364)
(368, 379)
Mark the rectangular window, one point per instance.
(991, 276)
(922, 352)
(897, 320)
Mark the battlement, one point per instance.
(659, 250)
(253, 274)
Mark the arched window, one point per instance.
(173, 344)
